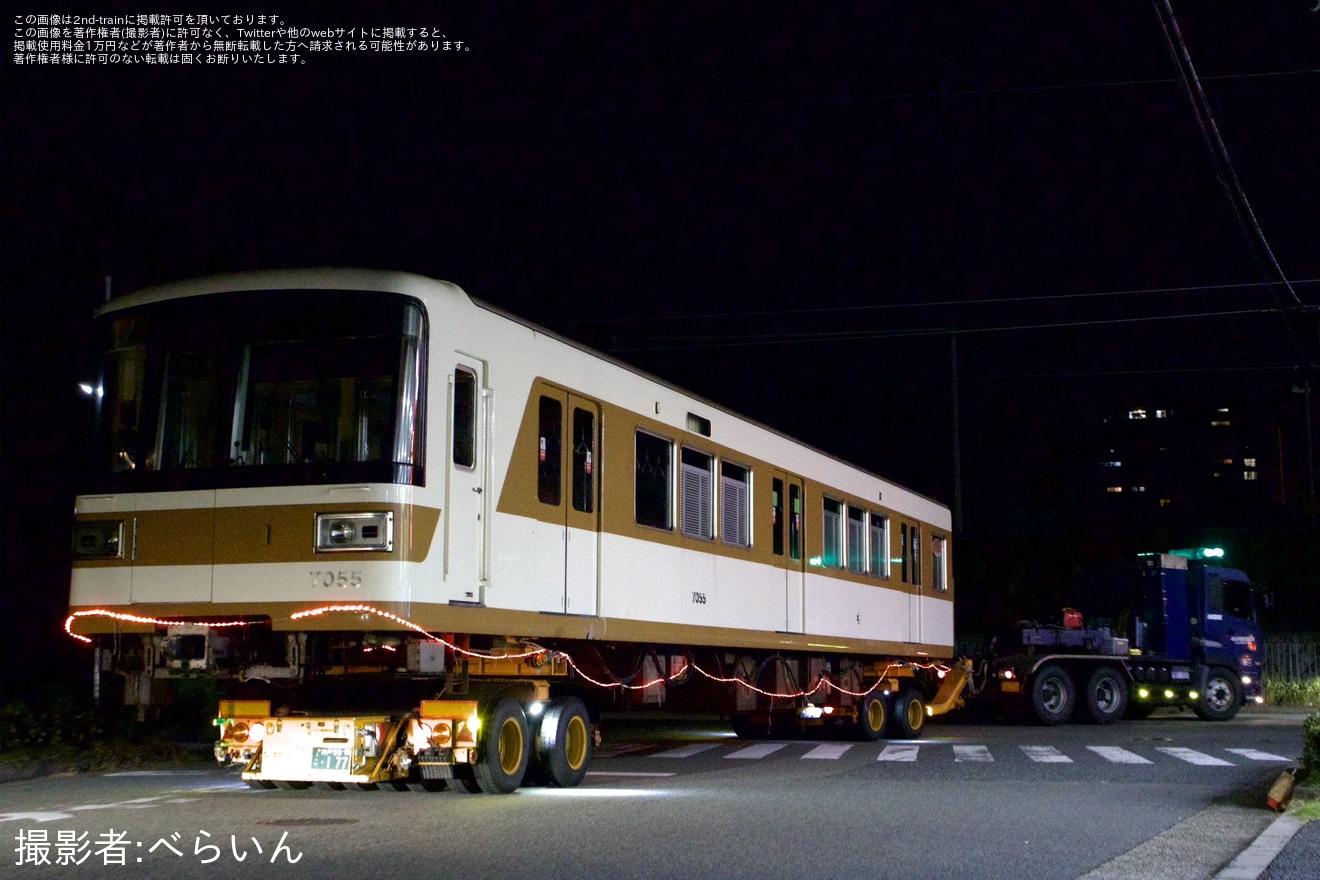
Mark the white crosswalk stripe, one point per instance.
(1255, 755)
(910, 752)
(1118, 755)
(751, 753)
(1191, 756)
(686, 751)
(905, 753)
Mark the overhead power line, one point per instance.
(660, 343)
(821, 310)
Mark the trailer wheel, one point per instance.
(1106, 695)
(909, 715)
(563, 744)
(1052, 695)
(872, 718)
(1221, 699)
(505, 747)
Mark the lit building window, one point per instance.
(1111, 464)
(1248, 475)
(1165, 502)
(1138, 488)
(1249, 462)
(1220, 423)
(1114, 489)
(1136, 414)
(1224, 461)
(1161, 413)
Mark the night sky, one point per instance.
(784, 207)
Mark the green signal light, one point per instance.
(1200, 553)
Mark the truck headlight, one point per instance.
(354, 531)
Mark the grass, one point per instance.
(74, 736)
(1303, 692)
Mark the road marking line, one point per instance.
(1118, 755)
(1256, 755)
(757, 751)
(625, 773)
(905, 753)
(975, 754)
(686, 751)
(1191, 756)
(828, 751)
(1046, 755)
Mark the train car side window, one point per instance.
(698, 487)
(879, 545)
(794, 521)
(584, 460)
(777, 516)
(653, 481)
(465, 418)
(735, 506)
(549, 470)
(938, 573)
(832, 536)
(856, 539)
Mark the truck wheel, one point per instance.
(1221, 699)
(563, 744)
(504, 748)
(872, 718)
(1106, 695)
(1052, 695)
(909, 715)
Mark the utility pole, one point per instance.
(957, 433)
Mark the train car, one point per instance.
(424, 541)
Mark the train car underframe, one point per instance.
(373, 708)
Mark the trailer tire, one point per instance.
(1106, 696)
(872, 718)
(909, 716)
(1053, 695)
(1221, 697)
(505, 745)
(563, 743)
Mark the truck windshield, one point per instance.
(262, 388)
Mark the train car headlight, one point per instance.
(98, 539)
(354, 531)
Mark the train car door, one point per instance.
(568, 482)
(787, 500)
(466, 513)
(910, 535)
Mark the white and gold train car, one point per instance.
(312, 476)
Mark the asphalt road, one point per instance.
(680, 801)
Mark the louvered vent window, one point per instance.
(734, 505)
(856, 539)
(879, 545)
(697, 490)
(832, 557)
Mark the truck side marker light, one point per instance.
(822, 683)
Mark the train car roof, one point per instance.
(412, 284)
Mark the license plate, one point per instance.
(328, 758)
(1010, 687)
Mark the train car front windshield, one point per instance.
(262, 388)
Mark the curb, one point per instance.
(1252, 861)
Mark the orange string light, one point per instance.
(822, 682)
